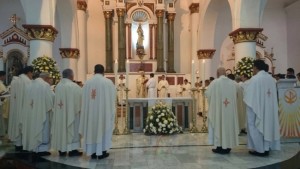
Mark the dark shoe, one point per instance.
(225, 151)
(44, 153)
(255, 153)
(94, 156)
(74, 153)
(217, 150)
(243, 131)
(104, 155)
(18, 148)
(62, 153)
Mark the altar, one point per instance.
(138, 109)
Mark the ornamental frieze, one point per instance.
(159, 13)
(245, 35)
(69, 53)
(206, 53)
(41, 32)
(81, 5)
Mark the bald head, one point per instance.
(221, 71)
(68, 73)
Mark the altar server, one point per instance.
(151, 86)
(186, 88)
(162, 87)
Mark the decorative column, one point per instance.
(82, 40)
(69, 58)
(170, 63)
(108, 41)
(151, 40)
(41, 40)
(160, 41)
(128, 25)
(244, 40)
(205, 55)
(121, 39)
(194, 9)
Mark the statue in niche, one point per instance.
(140, 39)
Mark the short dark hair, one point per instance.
(2, 73)
(151, 74)
(27, 69)
(231, 76)
(99, 69)
(291, 70)
(67, 73)
(266, 67)
(211, 78)
(259, 64)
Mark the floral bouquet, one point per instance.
(245, 66)
(161, 120)
(46, 64)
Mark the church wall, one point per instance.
(95, 35)
(293, 36)
(274, 24)
(182, 38)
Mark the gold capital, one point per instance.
(41, 32)
(170, 16)
(120, 12)
(245, 35)
(81, 5)
(108, 14)
(69, 53)
(206, 53)
(159, 13)
(194, 8)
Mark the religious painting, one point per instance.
(14, 64)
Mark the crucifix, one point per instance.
(14, 19)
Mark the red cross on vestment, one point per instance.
(60, 104)
(31, 104)
(269, 92)
(226, 102)
(93, 94)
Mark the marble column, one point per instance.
(128, 40)
(41, 40)
(160, 41)
(194, 10)
(108, 41)
(205, 57)
(244, 40)
(151, 26)
(82, 40)
(121, 40)
(69, 59)
(170, 63)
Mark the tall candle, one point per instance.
(116, 72)
(193, 73)
(203, 73)
(127, 73)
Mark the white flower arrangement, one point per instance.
(46, 64)
(245, 66)
(161, 120)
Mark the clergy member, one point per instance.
(121, 89)
(186, 87)
(222, 115)
(260, 96)
(36, 115)
(162, 87)
(66, 114)
(151, 86)
(141, 89)
(97, 114)
(3, 102)
(17, 101)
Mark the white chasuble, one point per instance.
(97, 114)
(12, 122)
(162, 88)
(36, 118)
(151, 85)
(65, 122)
(222, 113)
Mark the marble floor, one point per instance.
(181, 151)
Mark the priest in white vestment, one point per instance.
(260, 96)
(18, 90)
(222, 115)
(162, 87)
(12, 107)
(36, 116)
(141, 89)
(151, 86)
(66, 114)
(186, 88)
(98, 114)
(121, 89)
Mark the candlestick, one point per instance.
(203, 73)
(127, 73)
(193, 73)
(116, 71)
